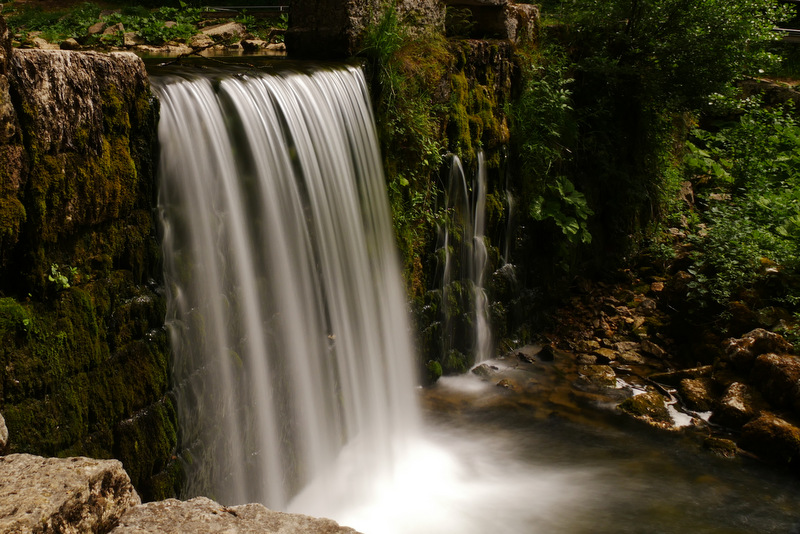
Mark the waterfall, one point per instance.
(286, 310)
(462, 243)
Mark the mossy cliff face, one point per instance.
(84, 352)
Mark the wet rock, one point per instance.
(772, 439)
(605, 355)
(739, 404)
(597, 375)
(742, 352)
(697, 393)
(721, 446)
(204, 515)
(66, 495)
(586, 359)
(649, 407)
(486, 372)
(673, 378)
(225, 31)
(505, 383)
(630, 357)
(777, 377)
(587, 345)
(547, 354)
(626, 346)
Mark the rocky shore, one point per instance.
(82, 495)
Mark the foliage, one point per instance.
(747, 174)
(55, 26)
(152, 26)
(543, 127)
(680, 50)
(402, 71)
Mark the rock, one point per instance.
(586, 359)
(132, 39)
(486, 372)
(721, 447)
(204, 515)
(625, 346)
(277, 47)
(43, 44)
(547, 354)
(3, 435)
(697, 393)
(334, 29)
(253, 45)
(652, 349)
(115, 29)
(649, 407)
(739, 404)
(225, 31)
(201, 40)
(70, 44)
(66, 495)
(521, 24)
(773, 439)
(597, 375)
(743, 351)
(630, 357)
(605, 355)
(673, 378)
(96, 28)
(777, 377)
(170, 24)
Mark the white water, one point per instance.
(286, 308)
(467, 208)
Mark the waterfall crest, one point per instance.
(286, 310)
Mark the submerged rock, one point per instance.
(204, 515)
(66, 495)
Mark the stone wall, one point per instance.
(84, 351)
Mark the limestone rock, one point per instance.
(66, 495)
(115, 29)
(204, 515)
(5, 47)
(253, 45)
(697, 393)
(132, 39)
(43, 44)
(743, 351)
(649, 407)
(70, 44)
(96, 28)
(773, 439)
(597, 375)
(201, 40)
(225, 31)
(777, 377)
(738, 405)
(3, 435)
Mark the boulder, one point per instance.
(742, 352)
(777, 377)
(597, 375)
(201, 40)
(739, 404)
(70, 44)
(225, 31)
(772, 439)
(649, 407)
(66, 495)
(204, 515)
(697, 393)
(96, 28)
(116, 29)
(132, 39)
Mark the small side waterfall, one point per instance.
(286, 310)
(463, 250)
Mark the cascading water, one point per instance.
(467, 208)
(286, 309)
(291, 353)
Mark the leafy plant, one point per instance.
(60, 279)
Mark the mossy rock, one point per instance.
(649, 407)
